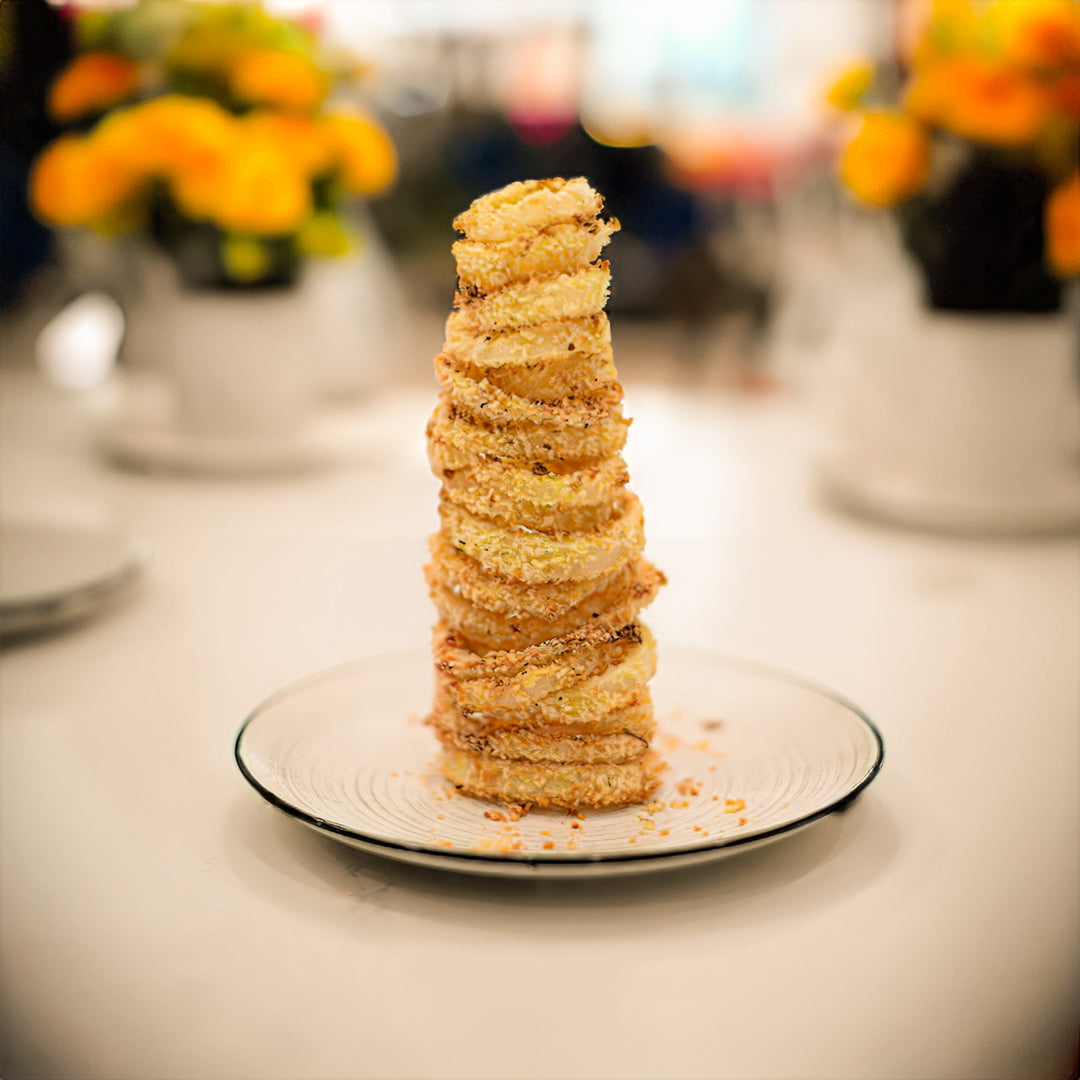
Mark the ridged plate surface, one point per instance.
(752, 753)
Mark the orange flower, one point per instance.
(304, 142)
(887, 160)
(79, 181)
(169, 134)
(273, 77)
(365, 154)
(929, 92)
(1066, 95)
(91, 84)
(253, 188)
(1037, 34)
(993, 104)
(1062, 225)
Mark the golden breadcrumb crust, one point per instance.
(541, 667)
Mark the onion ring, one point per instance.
(486, 402)
(535, 497)
(575, 375)
(526, 303)
(462, 439)
(524, 344)
(536, 557)
(618, 685)
(528, 206)
(526, 744)
(555, 249)
(614, 603)
(544, 785)
(467, 579)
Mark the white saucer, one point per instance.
(1050, 508)
(142, 434)
(53, 574)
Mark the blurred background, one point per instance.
(791, 176)
(844, 289)
(704, 124)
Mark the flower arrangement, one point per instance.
(976, 147)
(210, 127)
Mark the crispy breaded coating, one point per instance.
(541, 665)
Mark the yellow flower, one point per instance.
(245, 258)
(304, 142)
(274, 77)
(91, 84)
(993, 104)
(253, 188)
(952, 29)
(887, 160)
(365, 154)
(850, 85)
(78, 180)
(170, 134)
(323, 234)
(1062, 224)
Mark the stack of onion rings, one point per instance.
(537, 571)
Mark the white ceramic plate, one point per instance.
(52, 574)
(752, 753)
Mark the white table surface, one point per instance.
(158, 920)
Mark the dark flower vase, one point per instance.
(952, 400)
(980, 241)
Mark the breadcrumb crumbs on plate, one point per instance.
(733, 806)
(743, 821)
(664, 832)
(548, 845)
